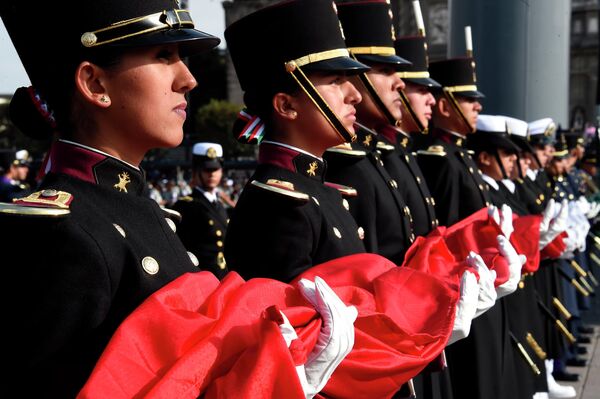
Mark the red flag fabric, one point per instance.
(197, 336)
(555, 248)
(526, 240)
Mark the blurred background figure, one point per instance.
(14, 168)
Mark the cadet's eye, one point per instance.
(165, 54)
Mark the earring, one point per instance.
(104, 99)
(293, 114)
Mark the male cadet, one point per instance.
(481, 364)
(14, 167)
(204, 219)
(379, 207)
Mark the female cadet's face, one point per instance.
(341, 96)
(147, 92)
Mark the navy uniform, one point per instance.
(203, 218)
(523, 314)
(12, 188)
(379, 207)
(287, 219)
(91, 245)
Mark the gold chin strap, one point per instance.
(309, 89)
(411, 112)
(452, 99)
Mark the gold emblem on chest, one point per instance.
(124, 180)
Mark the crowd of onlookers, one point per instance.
(166, 188)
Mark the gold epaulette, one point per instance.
(346, 191)
(436, 150)
(346, 149)
(173, 214)
(284, 188)
(385, 147)
(47, 202)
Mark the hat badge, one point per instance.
(88, 39)
(211, 153)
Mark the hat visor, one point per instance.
(522, 143)
(191, 41)
(428, 82)
(210, 164)
(338, 64)
(470, 94)
(393, 60)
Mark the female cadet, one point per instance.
(298, 96)
(110, 83)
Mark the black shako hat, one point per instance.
(50, 43)
(457, 76)
(369, 32)
(492, 133)
(414, 49)
(305, 32)
(295, 36)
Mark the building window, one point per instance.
(592, 25)
(577, 27)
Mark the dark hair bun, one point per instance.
(31, 114)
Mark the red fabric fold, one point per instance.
(555, 248)
(526, 240)
(198, 336)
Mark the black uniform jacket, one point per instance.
(453, 178)
(287, 220)
(71, 279)
(402, 165)
(202, 230)
(379, 207)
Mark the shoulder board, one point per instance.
(346, 191)
(437, 150)
(187, 198)
(385, 147)
(346, 149)
(47, 202)
(172, 214)
(281, 187)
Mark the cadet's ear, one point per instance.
(483, 158)
(284, 106)
(88, 80)
(443, 106)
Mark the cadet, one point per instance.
(541, 136)
(379, 207)
(204, 219)
(298, 97)
(14, 167)
(110, 82)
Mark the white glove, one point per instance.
(556, 226)
(503, 218)
(337, 334)
(465, 308)
(583, 204)
(548, 214)
(515, 264)
(594, 210)
(487, 291)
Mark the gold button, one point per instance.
(171, 224)
(571, 196)
(521, 284)
(427, 200)
(211, 222)
(337, 232)
(470, 169)
(221, 261)
(380, 162)
(562, 194)
(316, 201)
(49, 192)
(537, 201)
(481, 187)
(418, 180)
(219, 233)
(119, 229)
(361, 233)
(220, 244)
(412, 237)
(345, 204)
(150, 265)
(432, 201)
(407, 158)
(194, 259)
(393, 183)
(542, 197)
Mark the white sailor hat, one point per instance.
(491, 133)
(518, 130)
(542, 131)
(207, 155)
